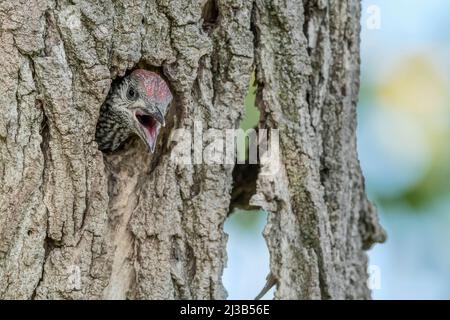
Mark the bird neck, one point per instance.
(113, 127)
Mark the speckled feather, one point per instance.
(113, 128)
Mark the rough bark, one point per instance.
(76, 223)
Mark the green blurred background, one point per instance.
(404, 149)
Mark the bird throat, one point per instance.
(149, 126)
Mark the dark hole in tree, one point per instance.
(210, 15)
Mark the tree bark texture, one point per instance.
(79, 224)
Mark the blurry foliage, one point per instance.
(252, 114)
(415, 87)
(246, 220)
(250, 117)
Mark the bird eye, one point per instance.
(131, 94)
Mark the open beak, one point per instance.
(149, 125)
(160, 117)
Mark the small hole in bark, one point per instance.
(324, 174)
(210, 15)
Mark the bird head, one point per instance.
(147, 97)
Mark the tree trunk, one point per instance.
(79, 224)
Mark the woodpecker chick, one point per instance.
(135, 106)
